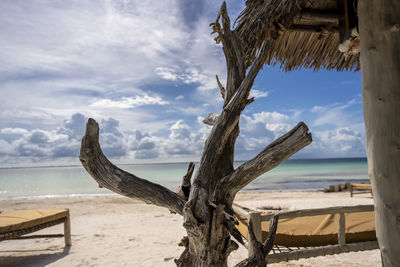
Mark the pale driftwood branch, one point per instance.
(261, 253)
(256, 246)
(120, 181)
(221, 88)
(184, 189)
(228, 120)
(234, 54)
(211, 119)
(274, 154)
(269, 243)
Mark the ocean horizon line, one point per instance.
(184, 162)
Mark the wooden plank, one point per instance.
(256, 221)
(342, 229)
(38, 236)
(321, 16)
(323, 211)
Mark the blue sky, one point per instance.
(145, 70)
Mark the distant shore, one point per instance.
(299, 174)
(110, 230)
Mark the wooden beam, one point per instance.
(314, 212)
(320, 16)
(241, 212)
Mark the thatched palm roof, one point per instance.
(303, 33)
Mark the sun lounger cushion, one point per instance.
(318, 230)
(21, 219)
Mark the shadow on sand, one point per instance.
(45, 257)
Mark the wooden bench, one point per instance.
(360, 189)
(14, 224)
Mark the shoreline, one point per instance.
(114, 230)
(319, 186)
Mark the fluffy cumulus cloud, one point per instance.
(342, 142)
(38, 145)
(63, 143)
(182, 142)
(60, 144)
(258, 130)
(179, 142)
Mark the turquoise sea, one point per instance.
(296, 174)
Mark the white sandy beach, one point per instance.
(117, 231)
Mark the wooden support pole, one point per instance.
(67, 231)
(379, 26)
(255, 217)
(342, 229)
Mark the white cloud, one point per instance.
(258, 94)
(341, 142)
(191, 75)
(335, 114)
(167, 73)
(129, 102)
(17, 131)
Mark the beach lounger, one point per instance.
(14, 224)
(360, 189)
(312, 232)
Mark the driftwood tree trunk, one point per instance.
(206, 204)
(379, 23)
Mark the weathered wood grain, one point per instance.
(379, 26)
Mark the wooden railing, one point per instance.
(257, 217)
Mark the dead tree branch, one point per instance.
(274, 154)
(120, 181)
(261, 251)
(227, 120)
(211, 119)
(184, 189)
(221, 88)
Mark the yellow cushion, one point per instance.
(319, 230)
(21, 219)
